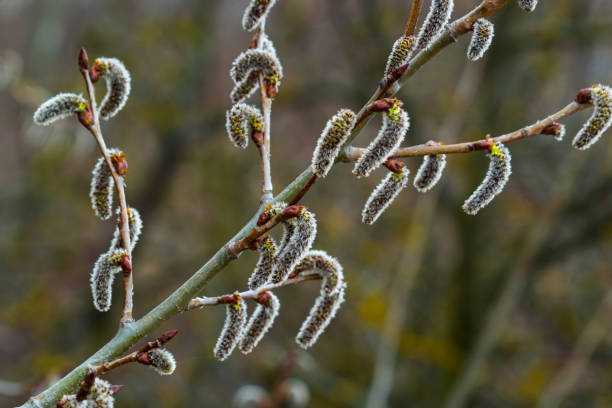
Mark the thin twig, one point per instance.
(264, 148)
(96, 131)
(296, 199)
(415, 11)
(200, 302)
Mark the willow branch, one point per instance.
(264, 148)
(352, 154)
(124, 229)
(415, 11)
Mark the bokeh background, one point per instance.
(506, 309)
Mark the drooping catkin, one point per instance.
(437, 17)
(600, 120)
(257, 60)
(300, 234)
(256, 11)
(321, 314)
(336, 131)
(134, 225)
(102, 276)
(118, 85)
(481, 39)
(101, 190)
(383, 195)
(497, 176)
(400, 53)
(395, 125)
(162, 361)
(235, 319)
(241, 121)
(266, 247)
(430, 172)
(260, 322)
(244, 89)
(317, 261)
(528, 5)
(59, 107)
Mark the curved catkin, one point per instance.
(162, 361)
(430, 172)
(383, 195)
(235, 319)
(301, 233)
(400, 53)
(240, 121)
(135, 227)
(599, 122)
(102, 276)
(528, 5)
(392, 133)
(101, 190)
(260, 322)
(317, 261)
(256, 11)
(118, 85)
(321, 314)
(437, 17)
(481, 39)
(497, 176)
(267, 250)
(244, 89)
(255, 60)
(59, 107)
(336, 131)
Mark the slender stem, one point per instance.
(352, 154)
(415, 11)
(200, 302)
(266, 107)
(124, 228)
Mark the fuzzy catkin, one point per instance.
(255, 13)
(260, 322)
(600, 120)
(118, 86)
(244, 89)
(267, 250)
(102, 394)
(321, 314)
(101, 190)
(497, 176)
(430, 172)
(400, 53)
(335, 133)
(528, 5)
(437, 17)
(383, 195)
(102, 276)
(297, 243)
(134, 225)
(255, 60)
(481, 39)
(395, 125)
(162, 361)
(59, 107)
(317, 261)
(235, 319)
(240, 121)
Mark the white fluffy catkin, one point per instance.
(102, 276)
(257, 60)
(395, 125)
(481, 39)
(255, 13)
(267, 250)
(244, 89)
(383, 195)
(101, 190)
(260, 322)
(321, 314)
(430, 172)
(118, 85)
(162, 361)
(497, 176)
(101, 394)
(317, 261)
(336, 131)
(400, 53)
(600, 120)
(59, 107)
(437, 17)
(240, 121)
(528, 5)
(235, 319)
(135, 228)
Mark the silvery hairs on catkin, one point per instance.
(600, 120)
(481, 39)
(240, 121)
(59, 107)
(102, 276)
(235, 319)
(134, 225)
(528, 5)
(335, 133)
(383, 195)
(430, 172)
(118, 86)
(321, 314)
(260, 322)
(255, 13)
(437, 17)
(497, 176)
(162, 361)
(320, 262)
(400, 53)
(266, 246)
(101, 189)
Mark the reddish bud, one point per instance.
(83, 60)
(263, 298)
(86, 386)
(552, 129)
(86, 117)
(143, 358)
(584, 96)
(167, 336)
(264, 217)
(120, 163)
(254, 41)
(395, 166)
(126, 265)
(292, 211)
(230, 299)
(95, 71)
(481, 145)
(398, 72)
(271, 88)
(116, 388)
(258, 138)
(384, 104)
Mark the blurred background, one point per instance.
(510, 308)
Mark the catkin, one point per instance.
(162, 361)
(430, 172)
(102, 276)
(235, 319)
(255, 13)
(240, 121)
(260, 322)
(383, 195)
(118, 85)
(321, 314)
(400, 53)
(497, 176)
(481, 39)
(528, 5)
(600, 120)
(134, 225)
(59, 107)
(437, 17)
(336, 131)
(101, 190)
(244, 89)
(267, 250)
(317, 261)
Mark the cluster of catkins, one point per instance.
(291, 258)
(100, 394)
